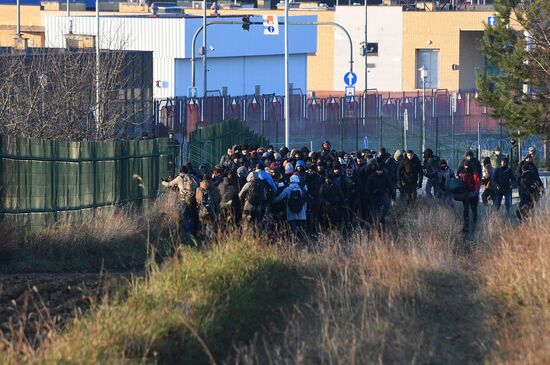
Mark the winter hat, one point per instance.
(242, 171)
(300, 163)
(289, 169)
(277, 156)
(294, 179)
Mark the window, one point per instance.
(429, 58)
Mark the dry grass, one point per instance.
(422, 293)
(115, 238)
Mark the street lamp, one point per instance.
(423, 76)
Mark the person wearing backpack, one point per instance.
(207, 198)
(187, 185)
(295, 197)
(254, 196)
(504, 182)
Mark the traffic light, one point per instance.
(246, 23)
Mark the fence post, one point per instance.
(356, 134)
(381, 138)
(436, 135)
(342, 134)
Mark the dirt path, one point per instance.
(28, 299)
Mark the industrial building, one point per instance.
(239, 62)
(445, 41)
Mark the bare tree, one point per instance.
(51, 94)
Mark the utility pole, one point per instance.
(68, 8)
(287, 93)
(366, 47)
(18, 19)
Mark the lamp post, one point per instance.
(97, 64)
(287, 93)
(423, 77)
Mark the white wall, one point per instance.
(241, 74)
(170, 39)
(385, 26)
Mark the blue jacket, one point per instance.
(285, 194)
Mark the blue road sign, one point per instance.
(271, 29)
(492, 20)
(350, 78)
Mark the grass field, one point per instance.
(423, 293)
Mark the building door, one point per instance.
(429, 58)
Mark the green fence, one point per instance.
(44, 181)
(208, 144)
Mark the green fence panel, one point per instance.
(44, 181)
(206, 145)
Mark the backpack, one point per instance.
(456, 186)
(296, 201)
(206, 209)
(256, 191)
(190, 185)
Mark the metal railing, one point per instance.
(372, 120)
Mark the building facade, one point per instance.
(238, 61)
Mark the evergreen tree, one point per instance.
(516, 80)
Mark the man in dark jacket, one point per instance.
(430, 166)
(529, 162)
(528, 187)
(314, 180)
(380, 188)
(230, 204)
(476, 165)
(504, 181)
(327, 155)
(409, 176)
(332, 199)
(390, 167)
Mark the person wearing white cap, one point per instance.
(295, 198)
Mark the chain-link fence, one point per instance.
(452, 123)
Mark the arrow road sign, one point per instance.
(350, 78)
(492, 20)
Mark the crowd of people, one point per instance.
(314, 190)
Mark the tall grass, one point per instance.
(420, 293)
(116, 238)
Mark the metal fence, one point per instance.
(370, 120)
(45, 181)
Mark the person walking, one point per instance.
(409, 176)
(295, 198)
(487, 180)
(471, 179)
(186, 185)
(504, 182)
